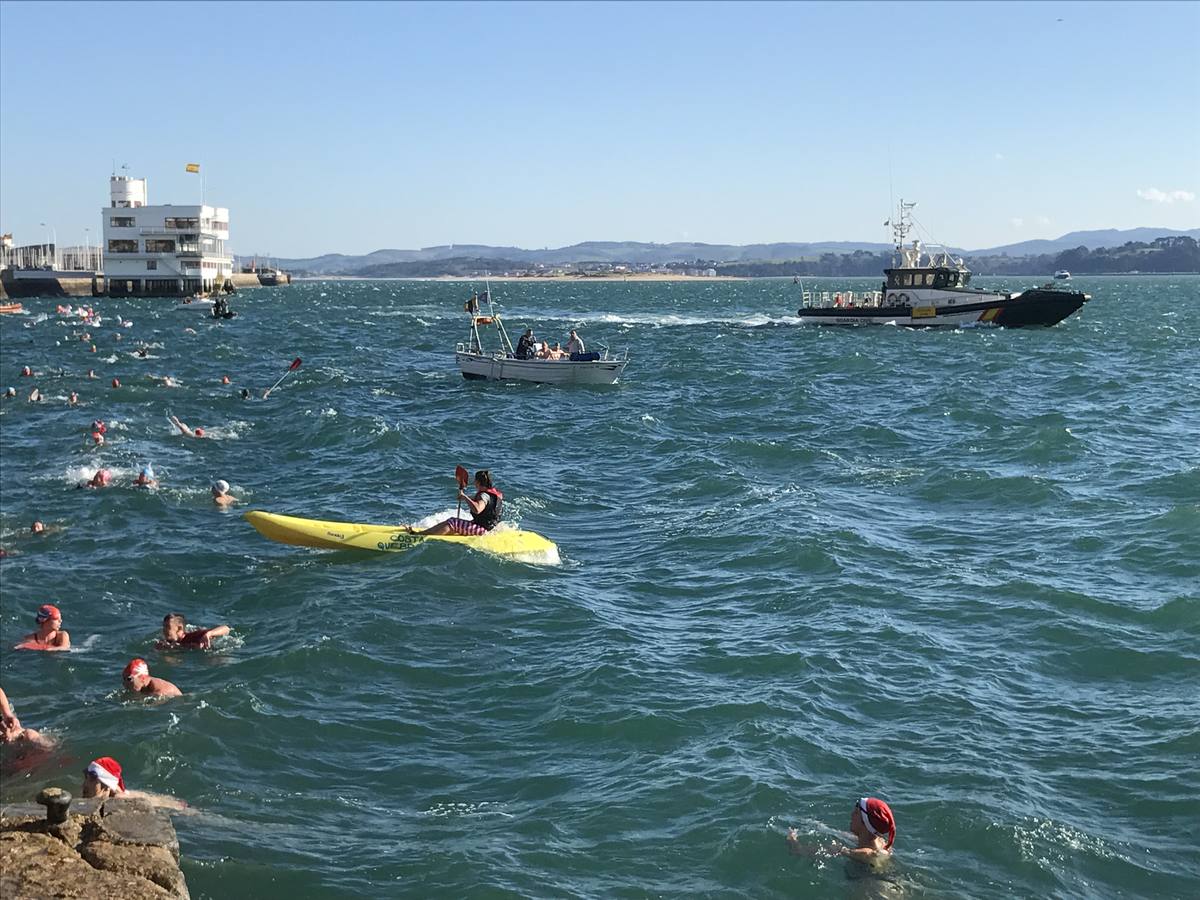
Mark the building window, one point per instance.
(151, 264)
(122, 221)
(178, 222)
(159, 246)
(122, 247)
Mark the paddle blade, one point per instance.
(462, 476)
(295, 365)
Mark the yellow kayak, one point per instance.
(513, 543)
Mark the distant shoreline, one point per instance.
(635, 276)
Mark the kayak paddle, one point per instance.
(290, 369)
(462, 476)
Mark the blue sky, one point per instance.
(350, 127)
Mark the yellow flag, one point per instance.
(193, 167)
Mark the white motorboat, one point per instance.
(932, 289)
(476, 361)
(1062, 275)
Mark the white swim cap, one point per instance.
(221, 486)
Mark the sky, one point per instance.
(345, 127)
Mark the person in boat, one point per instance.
(525, 345)
(487, 507)
(49, 635)
(557, 352)
(873, 827)
(575, 344)
(177, 637)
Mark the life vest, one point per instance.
(490, 517)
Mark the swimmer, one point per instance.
(116, 382)
(35, 396)
(97, 438)
(99, 426)
(245, 393)
(225, 379)
(38, 527)
(189, 331)
(143, 352)
(26, 372)
(49, 635)
(102, 478)
(146, 477)
(18, 741)
(73, 399)
(10, 393)
(102, 779)
(183, 429)
(138, 679)
(164, 380)
(221, 495)
(873, 826)
(177, 637)
(92, 373)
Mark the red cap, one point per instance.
(878, 818)
(116, 382)
(224, 379)
(47, 612)
(107, 771)
(199, 432)
(136, 667)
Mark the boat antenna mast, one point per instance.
(902, 224)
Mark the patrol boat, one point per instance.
(933, 289)
(502, 363)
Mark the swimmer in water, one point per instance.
(49, 635)
(245, 393)
(92, 373)
(116, 382)
(164, 380)
(10, 393)
(73, 399)
(97, 438)
(26, 372)
(221, 495)
(183, 429)
(143, 352)
(17, 740)
(225, 379)
(35, 396)
(138, 679)
(146, 478)
(177, 637)
(38, 527)
(102, 478)
(99, 426)
(873, 826)
(102, 779)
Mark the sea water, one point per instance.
(957, 570)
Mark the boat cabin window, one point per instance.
(929, 278)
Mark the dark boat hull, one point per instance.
(1038, 306)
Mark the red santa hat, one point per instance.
(878, 818)
(107, 771)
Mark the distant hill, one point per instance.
(636, 253)
(1110, 237)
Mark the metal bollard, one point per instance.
(57, 802)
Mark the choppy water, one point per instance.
(957, 570)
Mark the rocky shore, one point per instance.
(124, 849)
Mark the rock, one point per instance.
(37, 866)
(137, 822)
(155, 864)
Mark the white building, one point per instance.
(162, 250)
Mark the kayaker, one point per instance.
(49, 635)
(487, 507)
(221, 495)
(177, 637)
(138, 679)
(873, 826)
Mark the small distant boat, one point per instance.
(9, 309)
(1062, 275)
(502, 364)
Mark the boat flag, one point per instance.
(193, 167)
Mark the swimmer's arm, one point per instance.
(217, 631)
(162, 801)
(62, 642)
(862, 854)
